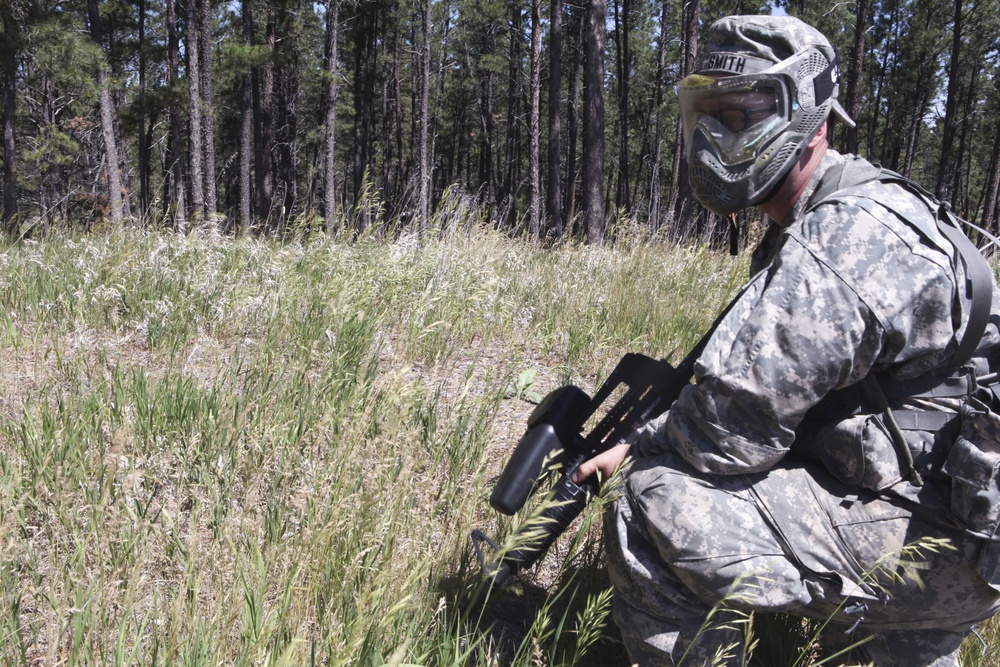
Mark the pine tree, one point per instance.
(554, 192)
(535, 125)
(10, 44)
(593, 122)
(330, 88)
(116, 186)
(207, 103)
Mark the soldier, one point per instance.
(817, 465)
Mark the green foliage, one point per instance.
(52, 146)
(65, 57)
(238, 57)
(63, 89)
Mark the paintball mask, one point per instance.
(765, 87)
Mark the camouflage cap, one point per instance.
(752, 44)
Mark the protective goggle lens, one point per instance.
(736, 119)
(745, 111)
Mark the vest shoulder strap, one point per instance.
(979, 274)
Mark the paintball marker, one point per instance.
(554, 443)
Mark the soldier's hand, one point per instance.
(605, 463)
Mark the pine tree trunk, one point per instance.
(265, 191)
(853, 98)
(286, 131)
(52, 173)
(192, 43)
(915, 126)
(246, 123)
(534, 123)
(175, 146)
(989, 220)
(8, 52)
(946, 164)
(872, 125)
(680, 187)
(439, 96)
(364, 99)
(423, 161)
(330, 117)
(510, 167)
(486, 174)
(621, 11)
(573, 120)
(144, 142)
(960, 192)
(49, 192)
(554, 193)
(401, 172)
(107, 121)
(593, 122)
(661, 66)
(208, 111)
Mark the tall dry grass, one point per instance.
(239, 451)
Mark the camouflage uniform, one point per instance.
(748, 491)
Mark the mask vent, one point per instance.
(711, 190)
(815, 64)
(780, 161)
(811, 120)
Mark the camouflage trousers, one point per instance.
(690, 555)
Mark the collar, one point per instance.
(830, 158)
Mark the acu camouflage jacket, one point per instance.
(850, 288)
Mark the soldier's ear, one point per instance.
(819, 136)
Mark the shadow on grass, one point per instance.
(502, 625)
(524, 623)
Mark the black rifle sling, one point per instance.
(979, 288)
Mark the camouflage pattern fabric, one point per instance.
(714, 511)
(691, 554)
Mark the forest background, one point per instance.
(551, 118)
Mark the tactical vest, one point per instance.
(861, 435)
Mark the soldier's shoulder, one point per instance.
(890, 196)
(868, 209)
